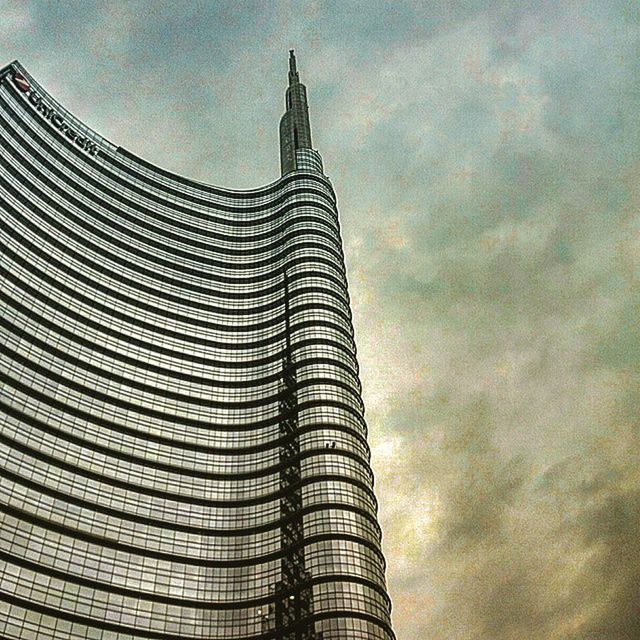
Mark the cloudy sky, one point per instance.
(486, 157)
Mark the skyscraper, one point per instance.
(183, 448)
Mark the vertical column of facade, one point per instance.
(294, 606)
(343, 555)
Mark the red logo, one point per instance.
(21, 82)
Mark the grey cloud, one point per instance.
(518, 551)
(515, 282)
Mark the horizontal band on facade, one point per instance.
(46, 427)
(188, 286)
(209, 532)
(165, 393)
(285, 241)
(284, 204)
(281, 234)
(277, 356)
(241, 312)
(251, 383)
(158, 635)
(194, 603)
(169, 418)
(188, 198)
(283, 263)
(54, 284)
(275, 235)
(180, 498)
(153, 437)
(248, 294)
(148, 366)
(254, 193)
(162, 392)
(272, 470)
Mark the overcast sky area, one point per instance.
(486, 159)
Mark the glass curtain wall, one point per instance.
(183, 450)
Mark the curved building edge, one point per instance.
(105, 144)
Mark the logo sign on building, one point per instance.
(21, 82)
(50, 114)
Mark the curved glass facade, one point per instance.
(183, 452)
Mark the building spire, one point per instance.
(293, 72)
(295, 129)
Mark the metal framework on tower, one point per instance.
(291, 614)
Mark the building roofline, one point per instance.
(103, 142)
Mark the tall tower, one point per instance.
(183, 447)
(296, 150)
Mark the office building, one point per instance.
(183, 449)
